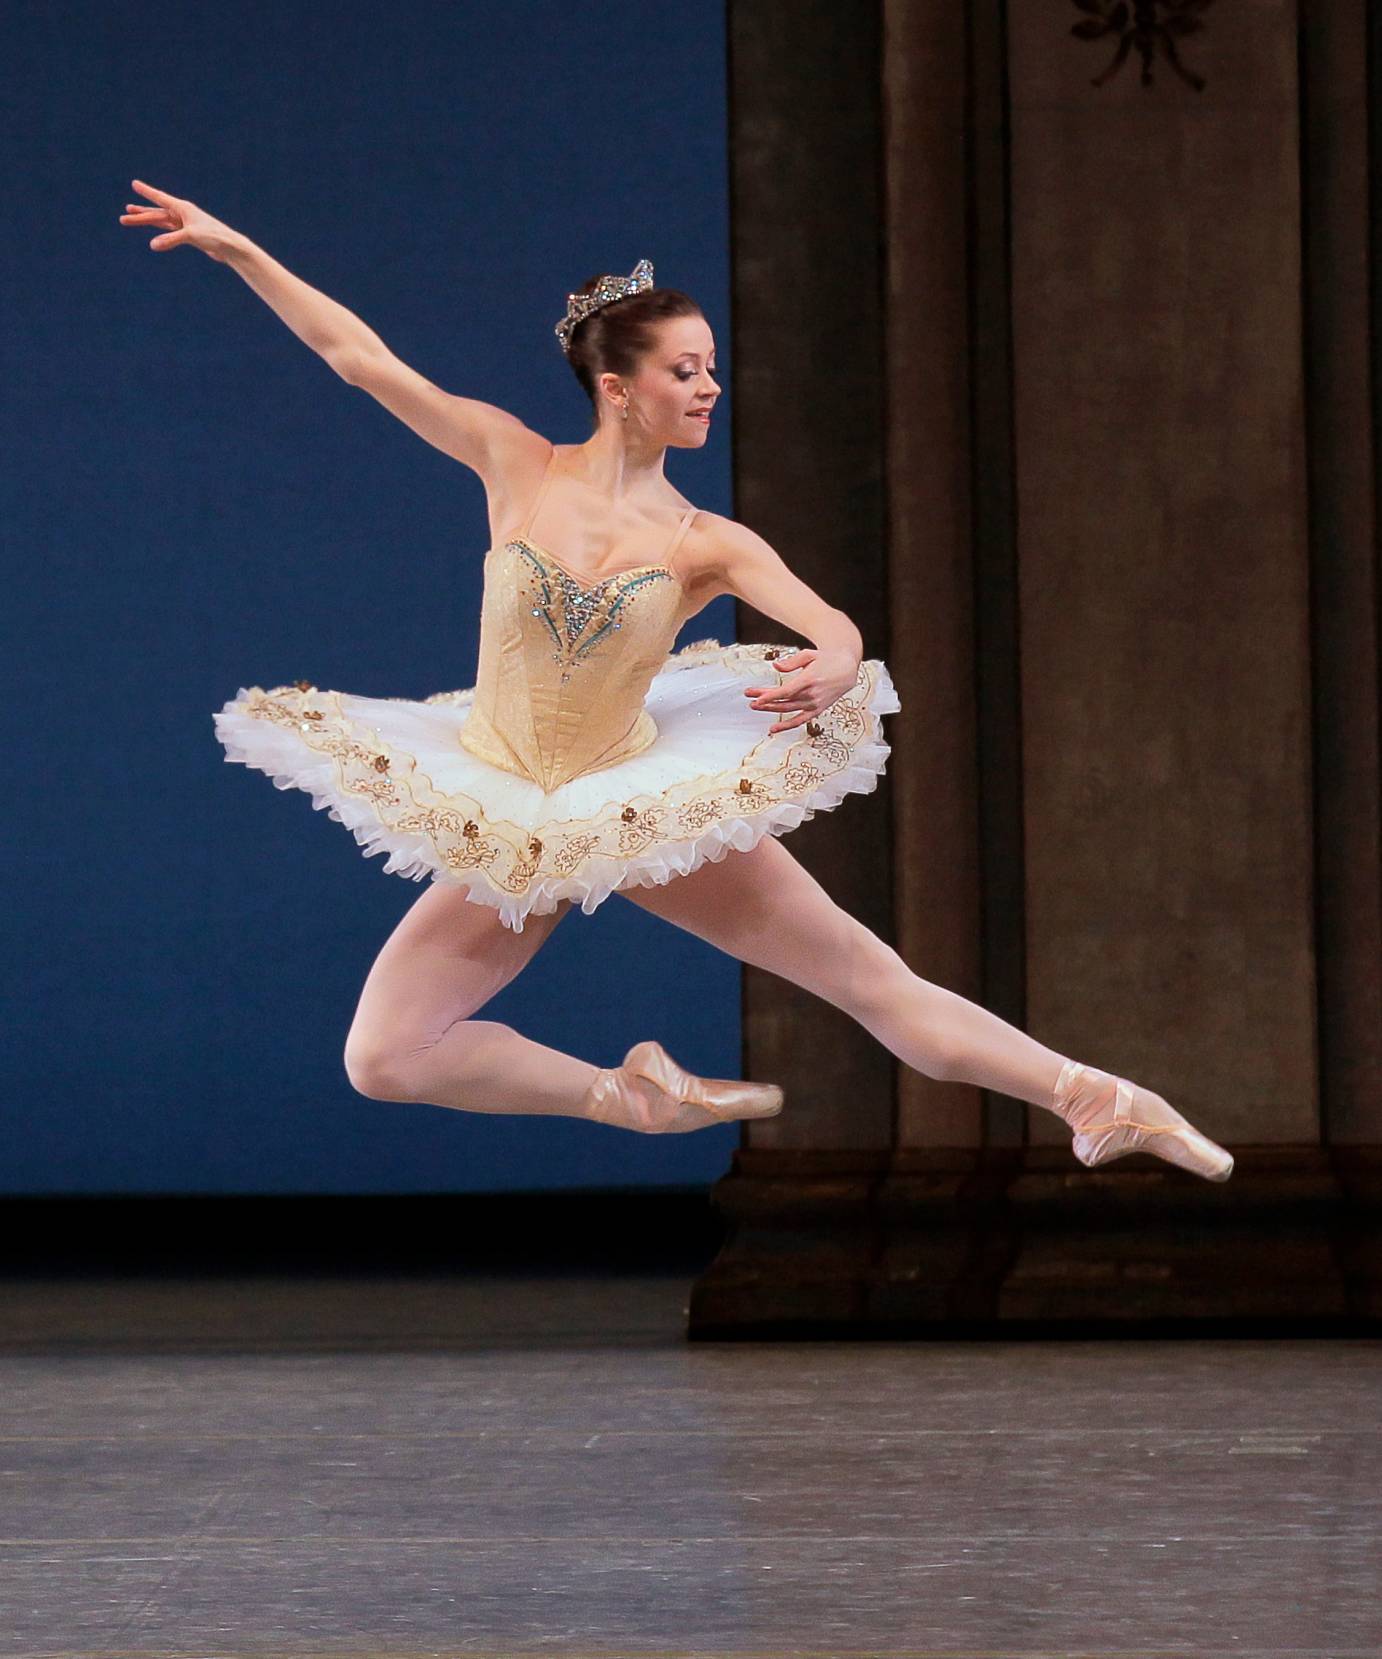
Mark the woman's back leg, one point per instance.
(414, 1036)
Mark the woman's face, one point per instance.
(674, 389)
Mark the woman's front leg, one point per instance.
(766, 909)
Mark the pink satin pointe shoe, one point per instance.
(1112, 1117)
(651, 1093)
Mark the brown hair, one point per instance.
(614, 338)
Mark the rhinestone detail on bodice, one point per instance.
(579, 616)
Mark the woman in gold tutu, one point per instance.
(591, 758)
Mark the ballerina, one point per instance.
(591, 758)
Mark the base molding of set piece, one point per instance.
(1026, 1242)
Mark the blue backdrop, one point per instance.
(193, 502)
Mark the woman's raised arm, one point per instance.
(330, 329)
(476, 433)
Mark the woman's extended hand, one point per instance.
(822, 678)
(181, 222)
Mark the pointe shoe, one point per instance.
(651, 1093)
(1099, 1108)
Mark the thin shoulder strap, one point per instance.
(681, 530)
(548, 471)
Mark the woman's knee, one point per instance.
(467, 1052)
(376, 1070)
(855, 969)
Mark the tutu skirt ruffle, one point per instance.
(392, 771)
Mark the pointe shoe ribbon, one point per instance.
(1081, 1098)
(650, 1092)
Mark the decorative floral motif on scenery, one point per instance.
(1147, 27)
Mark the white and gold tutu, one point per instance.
(587, 758)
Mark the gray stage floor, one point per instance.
(249, 1468)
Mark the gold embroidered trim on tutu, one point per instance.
(512, 858)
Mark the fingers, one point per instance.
(800, 661)
(799, 701)
(801, 711)
(776, 693)
(795, 721)
(800, 695)
(783, 688)
(778, 696)
(164, 214)
(142, 214)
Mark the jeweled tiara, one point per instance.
(606, 290)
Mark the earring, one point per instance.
(626, 406)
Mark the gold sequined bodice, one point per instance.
(565, 663)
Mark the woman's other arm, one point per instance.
(749, 568)
(476, 433)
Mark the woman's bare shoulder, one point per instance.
(518, 460)
(719, 540)
(708, 552)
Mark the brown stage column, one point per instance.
(809, 476)
(1164, 571)
(936, 383)
(809, 403)
(1342, 384)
